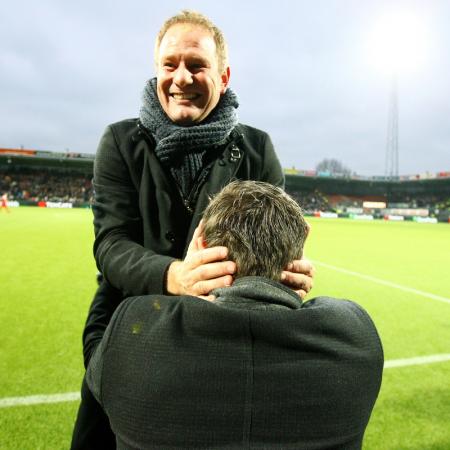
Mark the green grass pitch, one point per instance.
(48, 278)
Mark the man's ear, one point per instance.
(308, 229)
(225, 79)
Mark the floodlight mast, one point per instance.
(391, 164)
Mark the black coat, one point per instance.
(142, 221)
(256, 369)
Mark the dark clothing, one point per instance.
(143, 221)
(92, 430)
(103, 305)
(255, 369)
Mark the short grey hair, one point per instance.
(262, 227)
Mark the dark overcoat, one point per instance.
(257, 369)
(142, 220)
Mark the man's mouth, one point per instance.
(182, 96)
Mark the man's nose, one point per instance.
(183, 76)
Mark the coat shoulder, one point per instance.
(125, 124)
(251, 132)
(344, 315)
(124, 129)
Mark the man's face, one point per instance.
(189, 83)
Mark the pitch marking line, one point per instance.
(39, 399)
(75, 396)
(416, 361)
(384, 282)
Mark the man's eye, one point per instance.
(169, 65)
(196, 66)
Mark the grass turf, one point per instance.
(48, 278)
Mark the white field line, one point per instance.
(75, 396)
(39, 399)
(384, 282)
(416, 361)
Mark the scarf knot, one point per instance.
(172, 139)
(182, 149)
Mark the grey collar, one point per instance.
(257, 293)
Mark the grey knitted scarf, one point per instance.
(182, 148)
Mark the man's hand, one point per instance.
(299, 276)
(203, 269)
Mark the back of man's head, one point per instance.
(262, 227)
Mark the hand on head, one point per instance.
(203, 269)
(231, 220)
(299, 276)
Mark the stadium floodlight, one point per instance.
(397, 44)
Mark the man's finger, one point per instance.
(212, 270)
(206, 256)
(303, 266)
(209, 298)
(297, 281)
(198, 230)
(193, 245)
(301, 293)
(206, 286)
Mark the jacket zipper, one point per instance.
(235, 155)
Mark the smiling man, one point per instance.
(190, 80)
(153, 177)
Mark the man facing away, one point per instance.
(252, 368)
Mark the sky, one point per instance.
(304, 72)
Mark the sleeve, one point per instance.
(370, 330)
(105, 302)
(94, 371)
(124, 262)
(272, 171)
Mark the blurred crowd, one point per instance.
(431, 202)
(37, 185)
(317, 201)
(312, 201)
(44, 185)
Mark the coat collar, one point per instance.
(257, 293)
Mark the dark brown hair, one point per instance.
(262, 227)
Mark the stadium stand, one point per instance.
(35, 186)
(408, 197)
(34, 177)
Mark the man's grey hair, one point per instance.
(262, 227)
(195, 18)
